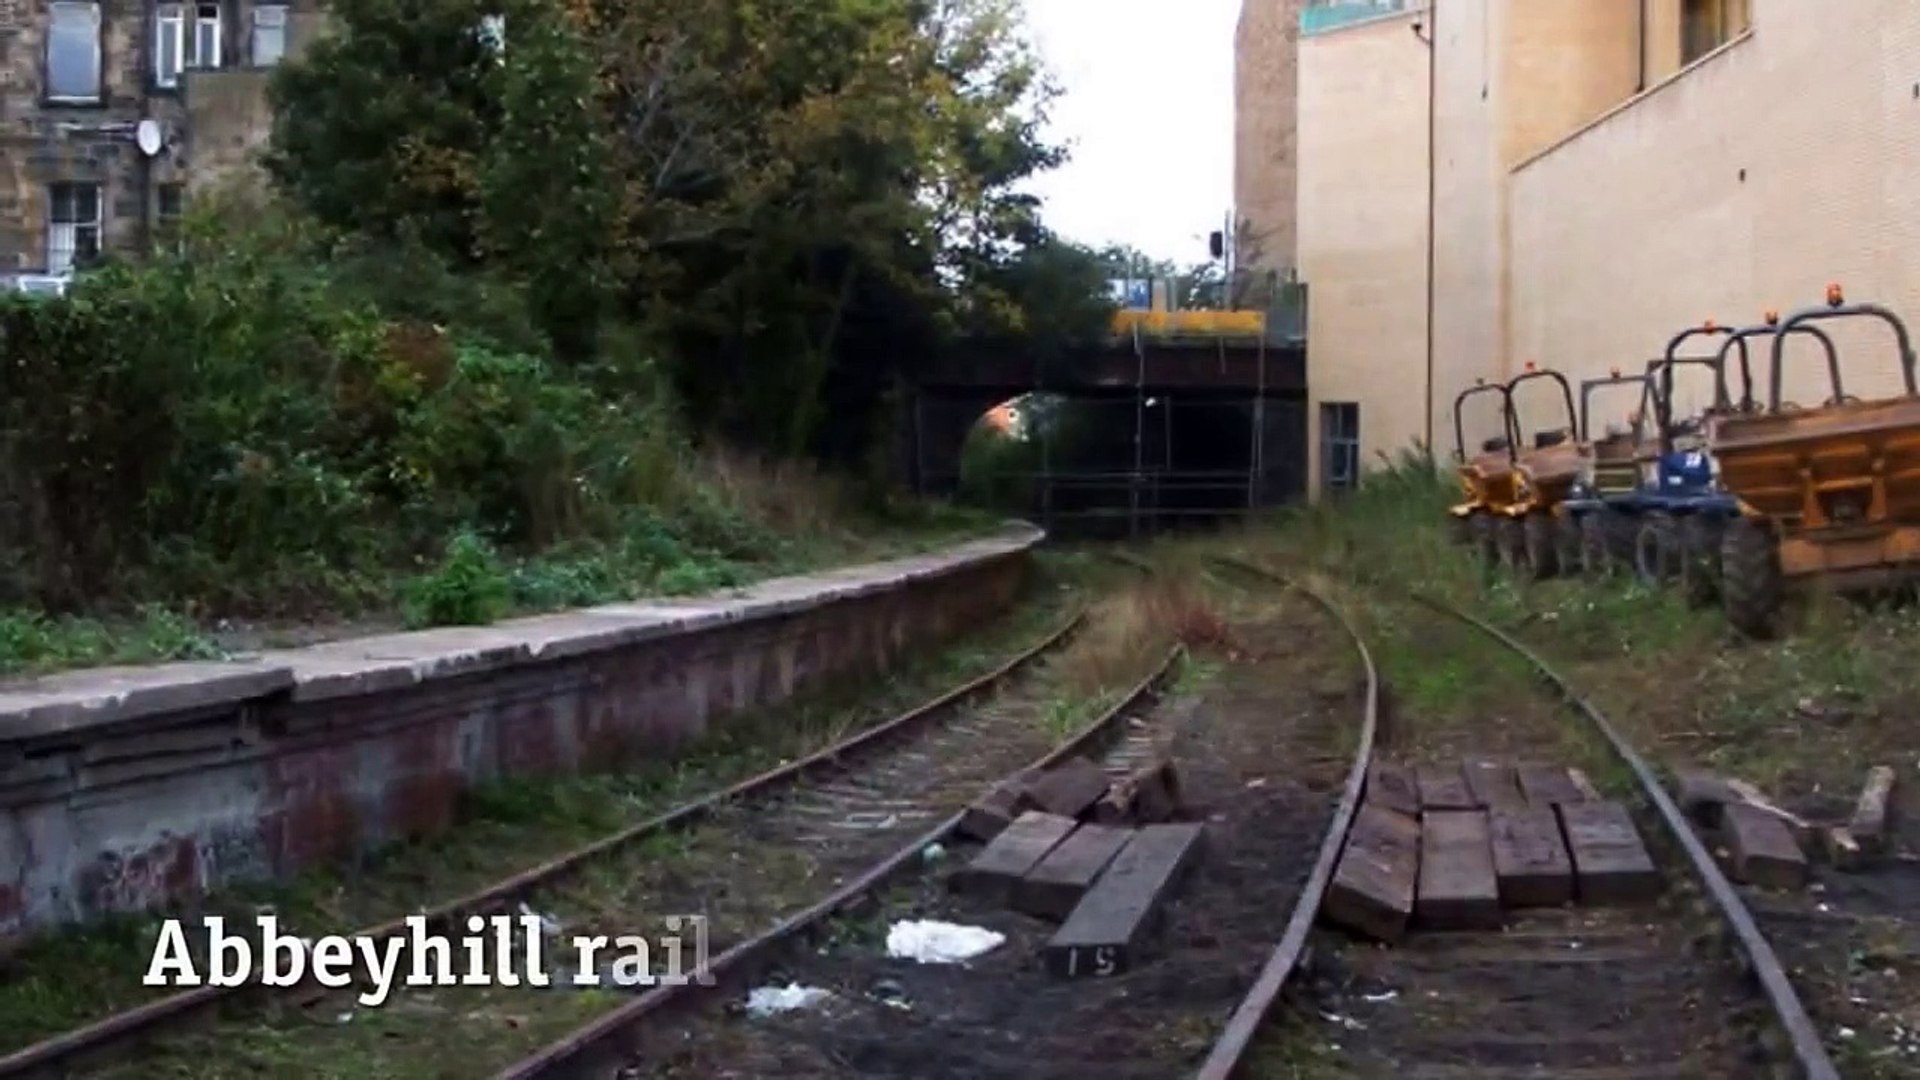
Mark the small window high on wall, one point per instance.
(73, 51)
(185, 36)
(1339, 446)
(1705, 25)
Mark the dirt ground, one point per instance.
(1852, 944)
(1850, 940)
(1262, 757)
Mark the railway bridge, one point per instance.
(1192, 414)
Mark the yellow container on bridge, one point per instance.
(1191, 324)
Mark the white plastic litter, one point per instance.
(932, 942)
(549, 925)
(767, 1000)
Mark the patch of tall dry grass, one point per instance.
(793, 497)
(1130, 630)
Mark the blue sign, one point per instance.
(1132, 295)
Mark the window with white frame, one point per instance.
(73, 225)
(185, 36)
(1339, 446)
(269, 34)
(73, 50)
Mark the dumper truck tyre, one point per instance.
(1537, 536)
(1460, 529)
(1700, 537)
(1480, 526)
(1511, 539)
(1751, 590)
(1566, 545)
(1596, 560)
(1655, 548)
(1623, 533)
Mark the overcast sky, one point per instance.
(1148, 114)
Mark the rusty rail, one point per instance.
(1809, 1051)
(1237, 1036)
(614, 1037)
(109, 1034)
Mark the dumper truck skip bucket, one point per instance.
(1828, 494)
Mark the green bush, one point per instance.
(469, 588)
(245, 428)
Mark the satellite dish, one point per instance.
(147, 135)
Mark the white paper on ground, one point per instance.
(767, 1000)
(932, 942)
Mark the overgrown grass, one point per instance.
(32, 641)
(1806, 713)
(475, 582)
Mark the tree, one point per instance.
(799, 199)
(381, 127)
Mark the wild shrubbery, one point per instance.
(242, 428)
(514, 298)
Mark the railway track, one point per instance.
(1600, 994)
(1268, 764)
(862, 793)
(1604, 994)
(610, 1044)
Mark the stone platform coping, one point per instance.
(88, 698)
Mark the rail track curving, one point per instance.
(1790, 1040)
(610, 1044)
(1266, 762)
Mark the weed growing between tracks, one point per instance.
(1803, 717)
(57, 982)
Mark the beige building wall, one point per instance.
(1469, 185)
(1363, 216)
(1777, 164)
(1579, 223)
(1265, 140)
(1563, 62)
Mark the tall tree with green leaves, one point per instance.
(801, 199)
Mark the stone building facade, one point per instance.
(78, 78)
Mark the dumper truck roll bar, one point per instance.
(1614, 378)
(1671, 358)
(1566, 393)
(1771, 327)
(1837, 307)
(1506, 417)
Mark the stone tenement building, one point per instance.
(1604, 173)
(77, 78)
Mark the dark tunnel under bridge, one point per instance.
(1141, 441)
